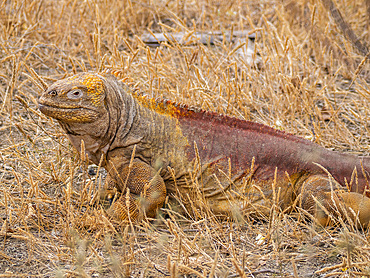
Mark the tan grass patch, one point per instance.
(306, 79)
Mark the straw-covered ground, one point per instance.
(302, 75)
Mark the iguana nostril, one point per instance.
(53, 93)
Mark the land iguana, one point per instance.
(153, 148)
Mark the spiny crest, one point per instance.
(163, 106)
(119, 74)
(183, 111)
(220, 121)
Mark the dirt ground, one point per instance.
(286, 64)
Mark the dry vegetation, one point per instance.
(305, 78)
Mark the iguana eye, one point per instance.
(75, 94)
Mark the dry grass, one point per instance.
(305, 78)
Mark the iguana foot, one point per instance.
(140, 192)
(321, 197)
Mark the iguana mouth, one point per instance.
(69, 114)
(47, 109)
(48, 105)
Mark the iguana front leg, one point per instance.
(141, 191)
(319, 197)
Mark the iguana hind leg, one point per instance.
(141, 191)
(320, 196)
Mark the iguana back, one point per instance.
(218, 135)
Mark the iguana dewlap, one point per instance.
(152, 148)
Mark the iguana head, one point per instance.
(79, 99)
(91, 107)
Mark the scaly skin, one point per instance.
(152, 148)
